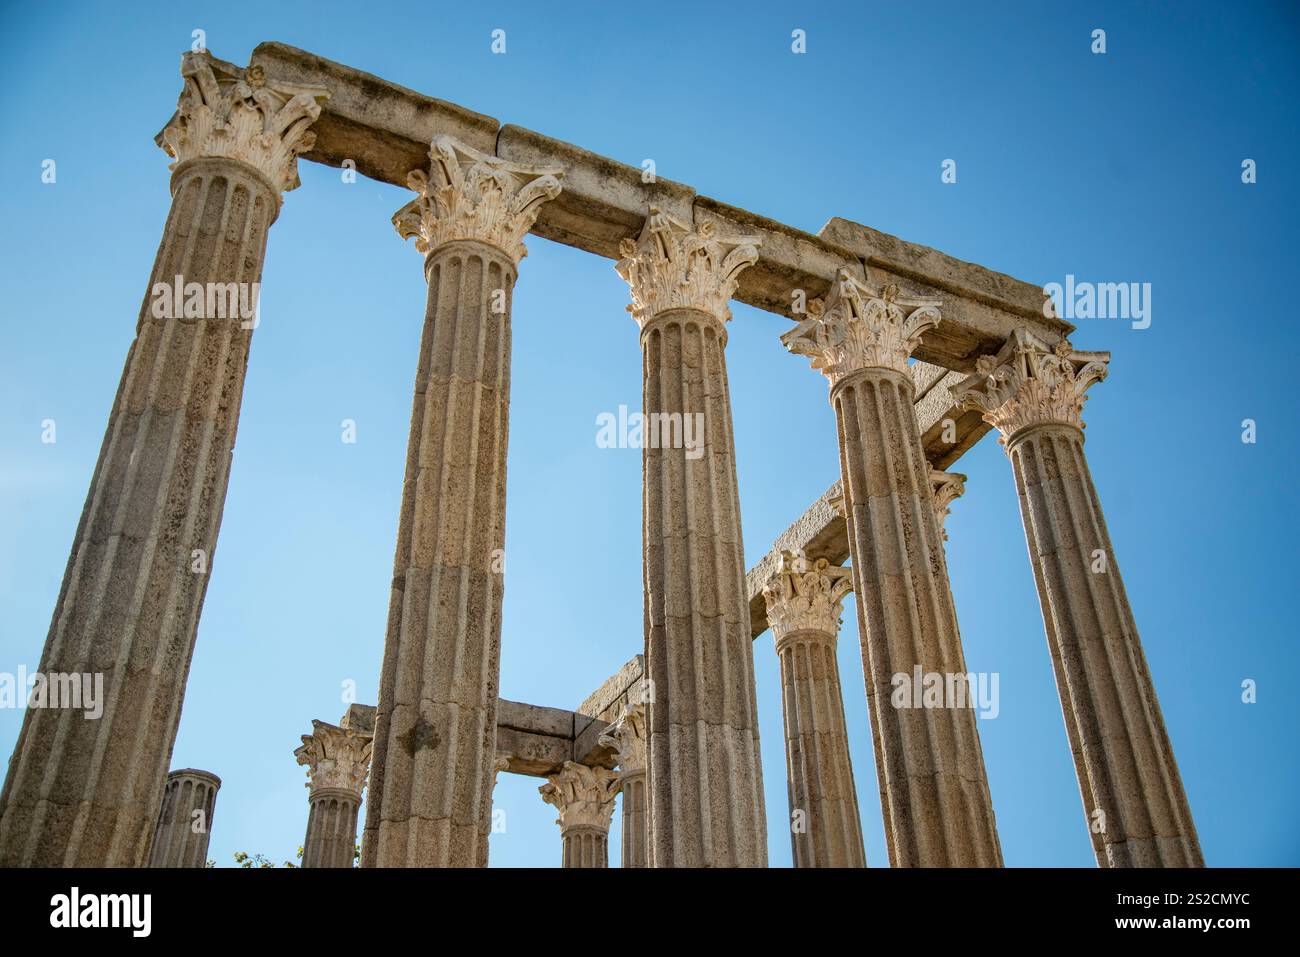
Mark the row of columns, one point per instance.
(87, 792)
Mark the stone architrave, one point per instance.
(337, 761)
(627, 736)
(584, 797)
(705, 772)
(1137, 811)
(804, 602)
(431, 792)
(86, 793)
(933, 787)
(185, 820)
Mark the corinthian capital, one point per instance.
(470, 195)
(584, 795)
(946, 487)
(241, 115)
(677, 265)
(1029, 383)
(335, 758)
(806, 596)
(628, 737)
(861, 327)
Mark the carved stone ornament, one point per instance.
(335, 758)
(806, 596)
(946, 487)
(860, 327)
(1029, 383)
(678, 265)
(628, 737)
(224, 112)
(584, 795)
(471, 195)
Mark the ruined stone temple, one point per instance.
(923, 355)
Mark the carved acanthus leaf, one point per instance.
(946, 488)
(241, 115)
(471, 195)
(806, 596)
(1029, 383)
(335, 757)
(584, 795)
(861, 327)
(677, 265)
(628, 737)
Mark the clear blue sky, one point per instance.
(1116, 167)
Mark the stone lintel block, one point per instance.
(382, 127)
(607, 700)
(537, 740)
(603, 201)
(603, 707)
(534, 755)
(359, 718)
(980, 305)
(534, 719)
(385, 129)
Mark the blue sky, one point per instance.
(1114, 168)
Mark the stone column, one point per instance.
(1133, 795)
(934, 792)
(705, 773)
(431, 792)
(584, 797)
(337, 761)
(86, 793)
(185, 820)
(628, 737)
(804, 603)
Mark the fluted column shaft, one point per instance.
(87, 792)
(331, 828)
(435, 728)
(704, 770)
(826, 828)
(706, 800)
(933, 786)
(1136, 809)
(585, 846)
(1122, 753)
(804, 602)
(636, 822)
(185, 820)
(84, 792)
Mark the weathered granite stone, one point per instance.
(86, 793)
(435, 729)
(705, 771)
(584, 797)
(337, 761)
(185, 821)
(628, 738)
(1133, 798)
(934, 791)
(804, 602)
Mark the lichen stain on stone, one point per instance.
(421, 736)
